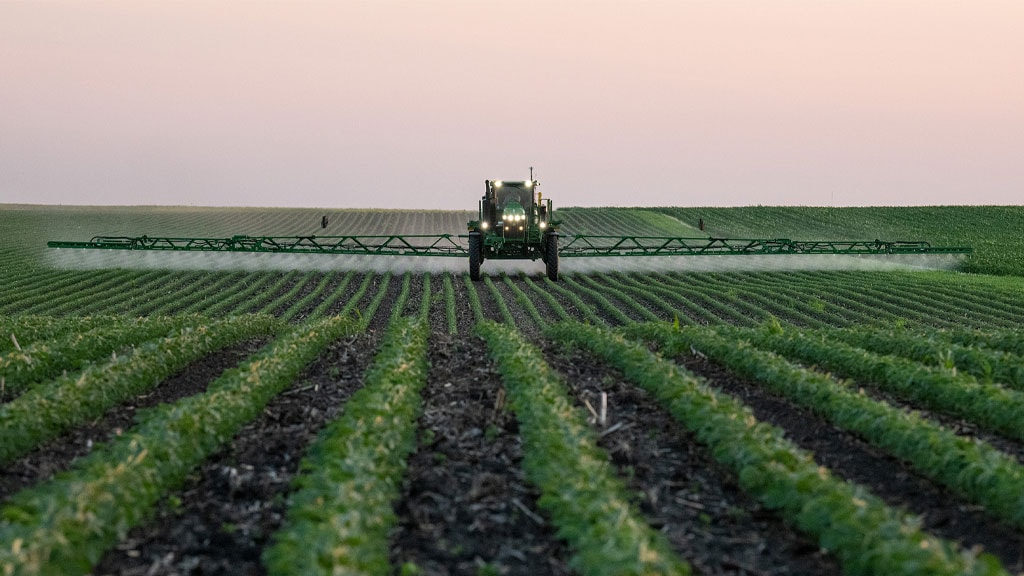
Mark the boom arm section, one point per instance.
(385, 245)
(450, 245)
(586, 245)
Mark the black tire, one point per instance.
(551, 256)
(475, 255)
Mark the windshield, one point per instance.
(522, 195)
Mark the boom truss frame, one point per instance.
(589, 245)
(448, 245)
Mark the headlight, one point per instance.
(529, 183)
(483, 225)
(520, 228)
(543, 225)
(497, 183)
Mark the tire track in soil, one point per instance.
(683, 492)
(56, 456)
(467, 502)
(942, 512)
(220, 522)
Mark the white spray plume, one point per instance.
(78, 259)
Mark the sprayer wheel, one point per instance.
(475, 256)
(551, 256)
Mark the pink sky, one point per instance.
(413, 104)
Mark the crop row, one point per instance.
(589, 505)
(47, 530)
(817, 300)
(40, 360)
(339, 516)
(49, 408)
(968, 466)
(63, 525)
(938, 388)
(938, 349)
(867, 536)
(18, 332)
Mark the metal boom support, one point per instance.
(390, 245)
(449, 245)
(584, 245)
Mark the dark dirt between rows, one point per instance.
(220, 522)
(57, 455)
(682, 491)
(942, 512)
(467, 506)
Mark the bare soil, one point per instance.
(222, 519)
(467, 504)
(683, 492)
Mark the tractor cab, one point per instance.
(506, 205)
(514, 224)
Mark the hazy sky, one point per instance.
(413, 104)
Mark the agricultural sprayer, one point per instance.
(514, 223)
